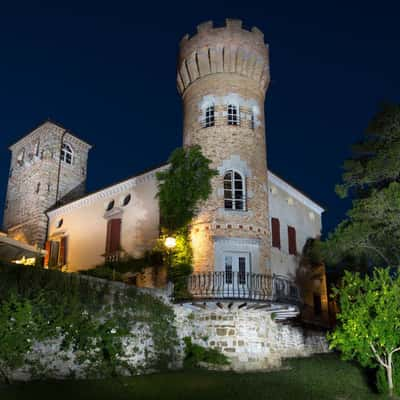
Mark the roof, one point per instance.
(311, 202)
(48, 120)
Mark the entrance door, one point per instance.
(236, 276)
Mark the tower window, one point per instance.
(233, 115)
(38, 187)
(20, 157)
(66, 153)
(36, 149)
(234, 191)
(209, 117)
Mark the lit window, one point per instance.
(233, 115)
(126, 201)
(66, 153)
(209, 117)
(110, 205)
(234, 196)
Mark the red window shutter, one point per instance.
(47, 247)
(62, 259)
(292, 240)
(276, 234)
(113, 241)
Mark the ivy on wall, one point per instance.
(92, 320)
(181, 189)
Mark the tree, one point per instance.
(369, 320)
(372, 227)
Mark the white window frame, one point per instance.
(209, 116)
(67, 153)
(233, 189)
(233, 114)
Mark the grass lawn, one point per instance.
(321, 377)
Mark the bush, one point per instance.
(90, 319)
(196, 354)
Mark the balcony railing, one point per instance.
(242, 286)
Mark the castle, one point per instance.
(251, 229)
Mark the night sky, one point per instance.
(106, 71)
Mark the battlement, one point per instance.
(229, 49)
(235, 25)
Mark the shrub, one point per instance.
(196, 354)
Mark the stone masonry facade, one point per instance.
(38, 180)
(218, 67)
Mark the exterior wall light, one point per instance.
(170, 242)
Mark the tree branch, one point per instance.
(378, 356)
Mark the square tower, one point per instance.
(48, 167)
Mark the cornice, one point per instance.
(280, 183)
(104, 193)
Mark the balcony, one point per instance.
(243, 286)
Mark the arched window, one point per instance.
(233, 115)
(209, 116)
(66, 153)
(234, 191)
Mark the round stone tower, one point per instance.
(223, 75)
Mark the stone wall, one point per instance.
(251, 339)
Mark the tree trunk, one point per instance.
(389, 373)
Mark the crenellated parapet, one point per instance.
(228, 49)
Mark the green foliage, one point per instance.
(381, 377)
(369, 318)
(196, 354)
(371, 230)
(91, 319)
(372, 227)
(186, 182)
(376, 159)
(18, 329)
(181, 189)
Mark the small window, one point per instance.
(209, 117)
(60, 223)
(233, 115)
(252, 121)
(110, 205)
(66, 153)
(127, 200)
(11, 172)
(38, 188)
(21, 157)
(36, 149)
(233, 191)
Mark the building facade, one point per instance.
(248, 236)
(48, 167)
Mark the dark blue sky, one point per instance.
(106, 71)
